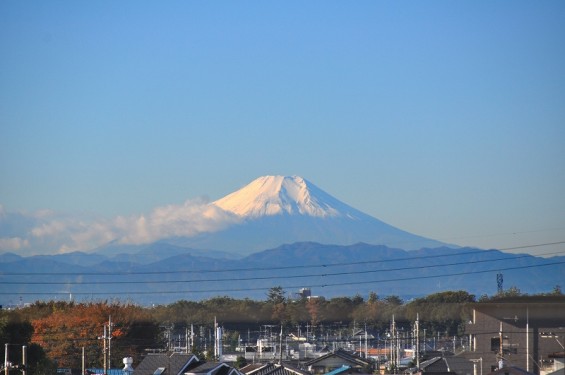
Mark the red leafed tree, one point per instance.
(66, 330)
(313, 307)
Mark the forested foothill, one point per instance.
(56, 332)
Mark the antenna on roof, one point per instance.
(499, 281)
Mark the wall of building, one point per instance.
(523, 328)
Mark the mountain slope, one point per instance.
(274, 195)
(277, 210)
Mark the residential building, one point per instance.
(444, 365)
(271, 369)
(337, 359)
(181, 364)
(519, 332)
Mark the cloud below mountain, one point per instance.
(187, 220)
(269, 211)
(47, 232)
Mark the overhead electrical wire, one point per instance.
(245, 269)
(293, 286)
(97, 273)
(269, 277)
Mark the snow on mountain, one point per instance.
(279, 210)
(275, 195)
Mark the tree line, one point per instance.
(56, 332)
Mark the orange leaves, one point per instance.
(118, 332)
(313, 308)
(69, 327)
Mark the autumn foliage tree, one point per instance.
(70, 327)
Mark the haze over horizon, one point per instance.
(442, 119)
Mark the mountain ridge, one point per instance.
(329, 270)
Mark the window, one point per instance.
(495, 344)
(507, 346)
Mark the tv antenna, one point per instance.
(499, 282)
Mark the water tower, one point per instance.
(127, 365)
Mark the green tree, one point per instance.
(275, 295)
(393, 300)
(513, 291)
(373, 298)
(240, 361)
(18, 333)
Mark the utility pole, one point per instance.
(24, 359)
(394, 344)
(418, 341)
(281, 345)
(106, 344)
(366, 347)
(500, 349)
(105, 352)
(424, 340)
(218, 353)
(191, 337)
(6, 366)
(527, 339)
(215, 338)
(109, 342)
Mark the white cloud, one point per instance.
(45, 231)
(13, 243)
(50, 229)
(187, 220)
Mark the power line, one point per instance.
(244, 269)
(269, 277)
(292, 286)
(283, 267)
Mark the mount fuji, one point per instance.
(276, 210)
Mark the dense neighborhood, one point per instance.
(445, 333)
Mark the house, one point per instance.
(339, 370)
(339, 358)
(165, 364)
(181, 364)
(436, 366)
(271, 369)
(520, 331)
(376, 354)
(361, 335)
(213, 368)
(510, 371)
(556, 363)
(444, 365)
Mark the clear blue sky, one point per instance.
(443, 118)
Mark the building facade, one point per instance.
(519, 332)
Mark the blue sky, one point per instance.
(443, 118)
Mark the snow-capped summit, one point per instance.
(275, 195)
(275, 210)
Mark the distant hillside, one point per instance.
(329, 270)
